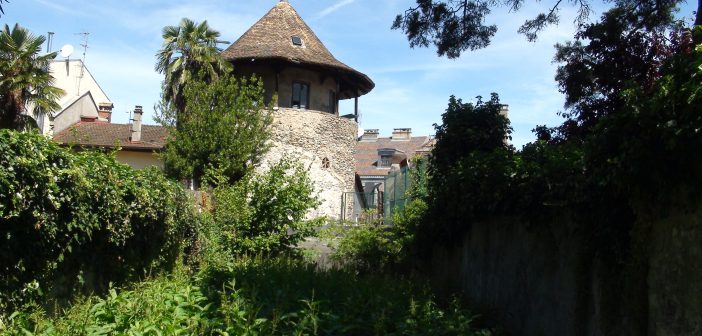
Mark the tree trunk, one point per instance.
(698, 13)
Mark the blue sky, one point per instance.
(412, 85)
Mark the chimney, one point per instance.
(402, 134)
(504, 110)
(105, 111)
(136, 124)
(370, 135)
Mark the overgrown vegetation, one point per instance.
(260, 297)
(74, 222)
(632, 126)
(264, 213)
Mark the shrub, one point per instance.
(265, 213)
(373, 248)
(80, 220)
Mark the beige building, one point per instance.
(138, 144)
(84, 99)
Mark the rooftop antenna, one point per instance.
(82, 65)
(49, 41)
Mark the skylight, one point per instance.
(296, 40)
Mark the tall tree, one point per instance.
(455, 26)
(223, 132)
(24, 78)
(189, 50)
(626, 48)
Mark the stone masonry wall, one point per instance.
(308, 137)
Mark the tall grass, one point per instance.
(255, 296)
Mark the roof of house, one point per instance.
(366, 153)
(106, 135)
(271, 39)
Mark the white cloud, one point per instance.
(333, 8)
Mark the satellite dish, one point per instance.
(66, 51)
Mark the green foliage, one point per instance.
(77, 221)
(222, 132)
(265, 213)
(189, 53)
(470, 168)
(376, 248)
(454, 26)
(25, 78)
(260, 297)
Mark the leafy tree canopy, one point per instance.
(24, 78)
(189, 50)
(455, 26)
(223, 131)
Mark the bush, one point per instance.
(78, 221)
(264, 213)
(374, 248)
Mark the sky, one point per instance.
(412, 85)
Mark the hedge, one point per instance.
(78, 221)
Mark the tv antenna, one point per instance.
(82, 65)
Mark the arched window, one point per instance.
(325, 163)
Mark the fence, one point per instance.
(365, 207)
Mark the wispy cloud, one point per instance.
(333, 8)
(63, 9)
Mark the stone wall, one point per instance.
(308, 137)
(542, 279)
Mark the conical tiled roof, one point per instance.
(271, 39)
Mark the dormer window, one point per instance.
(296, 40)
(385, 156)
(300, 95)
(385, 161)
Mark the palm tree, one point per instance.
(189, 50)
(24, 78)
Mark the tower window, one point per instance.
(300, 95)
(325, 163)
(296, 40)
(332, 102)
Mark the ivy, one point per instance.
(77, 221)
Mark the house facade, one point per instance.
(84, 99)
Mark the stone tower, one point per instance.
(308, 82)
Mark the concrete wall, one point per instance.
(308, 137)
(84, 107)
(543, 279)
(139, 160)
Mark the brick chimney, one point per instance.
(370, 135)
(136, 124)
(402, 134)
(105, 111)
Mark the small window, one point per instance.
(385, 161)
(325, 163)
(332, 102)
(296, 40)
(300, 95)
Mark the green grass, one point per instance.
(257, 297)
